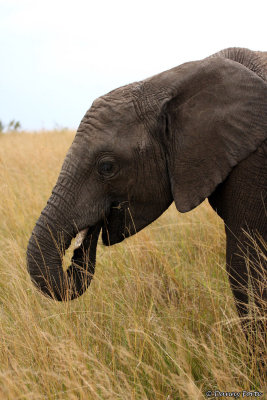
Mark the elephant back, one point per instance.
(256, 61)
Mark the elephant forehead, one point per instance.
(116, 107)
(96, 136)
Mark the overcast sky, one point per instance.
(58, 56)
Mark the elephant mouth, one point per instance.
(113, 230)
(121, 223)
(84, 249)
(114, 226)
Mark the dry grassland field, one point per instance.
(158, 321)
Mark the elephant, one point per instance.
(197, 131)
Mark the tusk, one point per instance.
(79, 238)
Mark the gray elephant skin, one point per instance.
(193, 132)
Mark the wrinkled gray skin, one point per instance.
(196, 131)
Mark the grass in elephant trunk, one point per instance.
(158, 321)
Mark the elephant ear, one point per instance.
(216, 115)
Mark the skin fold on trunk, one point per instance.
(45, 253)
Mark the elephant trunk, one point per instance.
(49, 240)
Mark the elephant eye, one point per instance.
(106, 168)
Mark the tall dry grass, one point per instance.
(158, 321)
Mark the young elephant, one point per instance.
(196, 131)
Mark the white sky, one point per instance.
(58, 56)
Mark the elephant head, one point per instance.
(174, 136)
